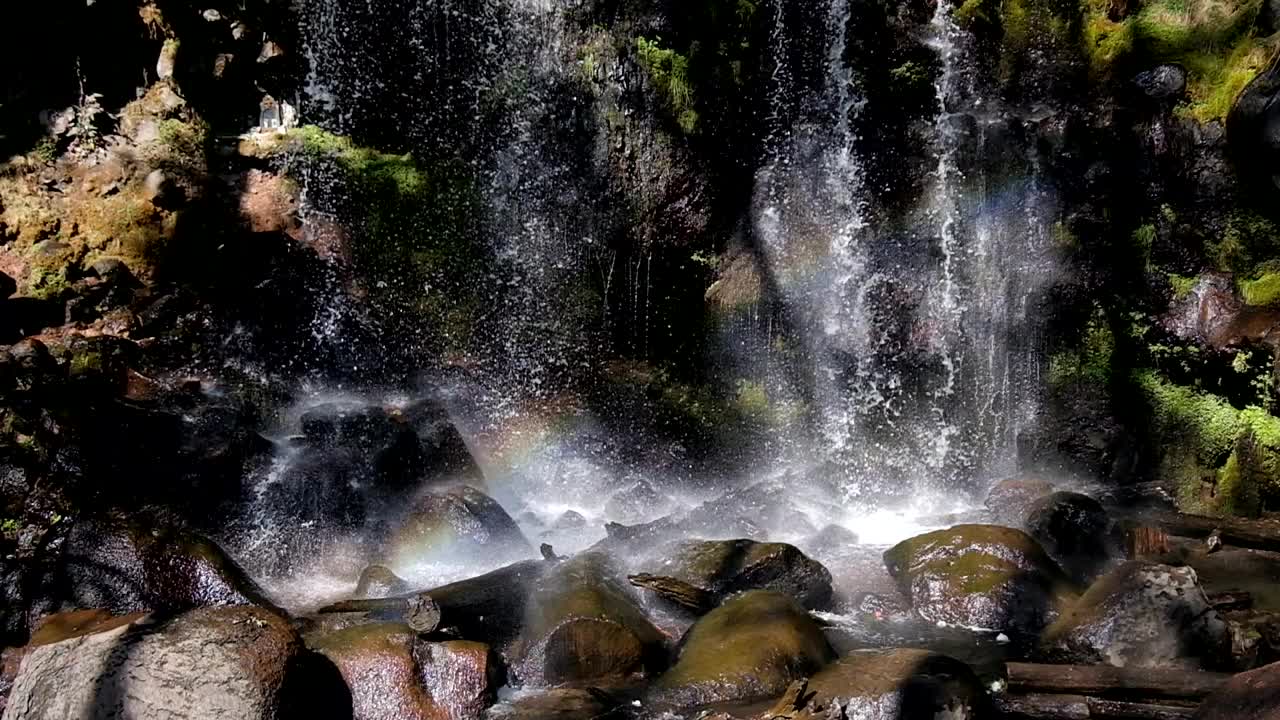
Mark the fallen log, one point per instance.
(1079, 707)
(1230, 600)
(489, 607)
(1104, 680)
(1239, 532)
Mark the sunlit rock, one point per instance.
(394, 674)
(582, 623)
(980, 577)
(721, 568)
(889, 685)
(751, 647)
(457, 524)
(237, 663)
(1141, 615)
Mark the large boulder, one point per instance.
(719, 568)
(1077, 532)
(751, 647)
(453, 523)
(235, 663)
(128, 565)
(1141, 615)
(582, 624)
(981, 577)
(394, 674)
(377, 581)
(890, 685)
(1254, 695)
(1253, 129)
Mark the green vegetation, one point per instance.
(1183, 285)
(1263, 291)
(1248, 240)
(1214, 40)
(1206, 441)
(1090, 363)
(669, 73)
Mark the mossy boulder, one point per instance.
(1141, 615)
(393, 673)
(982, 577)
(1077, 532)
(443, 523)
(750, 648)
(896, 684)
(583, 624)
(720, 568)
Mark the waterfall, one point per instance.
(920, 333)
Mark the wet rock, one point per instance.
(394, 674)
(448, 458)
(557, 704)
(753, 511)
(1269, 17)
(751, 647)
(1253, 128)
(444, 523)
(720, 568)
(881, 607)
(638, 503)
(832, 539)
(980, 577)
(130, 566)
(1010, 500)
(1141, 615)
(99, 364)
(378, 581)
(891, 685)
(582, 624)
(1163, 82)
(216, 663)
(269, 202)
(1076, 531)
(383, 449)
(570, 520)
(1253, 695)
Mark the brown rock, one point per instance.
(393, 674)
(269, 202)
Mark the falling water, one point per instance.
(920, 339)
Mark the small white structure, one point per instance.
(270, 116)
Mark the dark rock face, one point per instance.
(583, 624)
(458, 520)
(1254, 130)
(377, 581)
(720, 568)
(128, 566)
(1253, 695)
(895, 685)
(1141, 615)
(1010, 499)
(980, 577)
(1163, 82)
(751, 647)
(217, 663)
(393, 673)
(1076, 531)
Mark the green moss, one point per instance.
(1247, 239)
(1090, 362)
(752, 399)
(668, 71)
(972, 13)
(1262, 291)
(1183, 285)
(47, 283)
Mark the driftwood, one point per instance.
(681, 593)
(488, 607)
(1077, 707)
(1103, 680)
(1238, 532)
